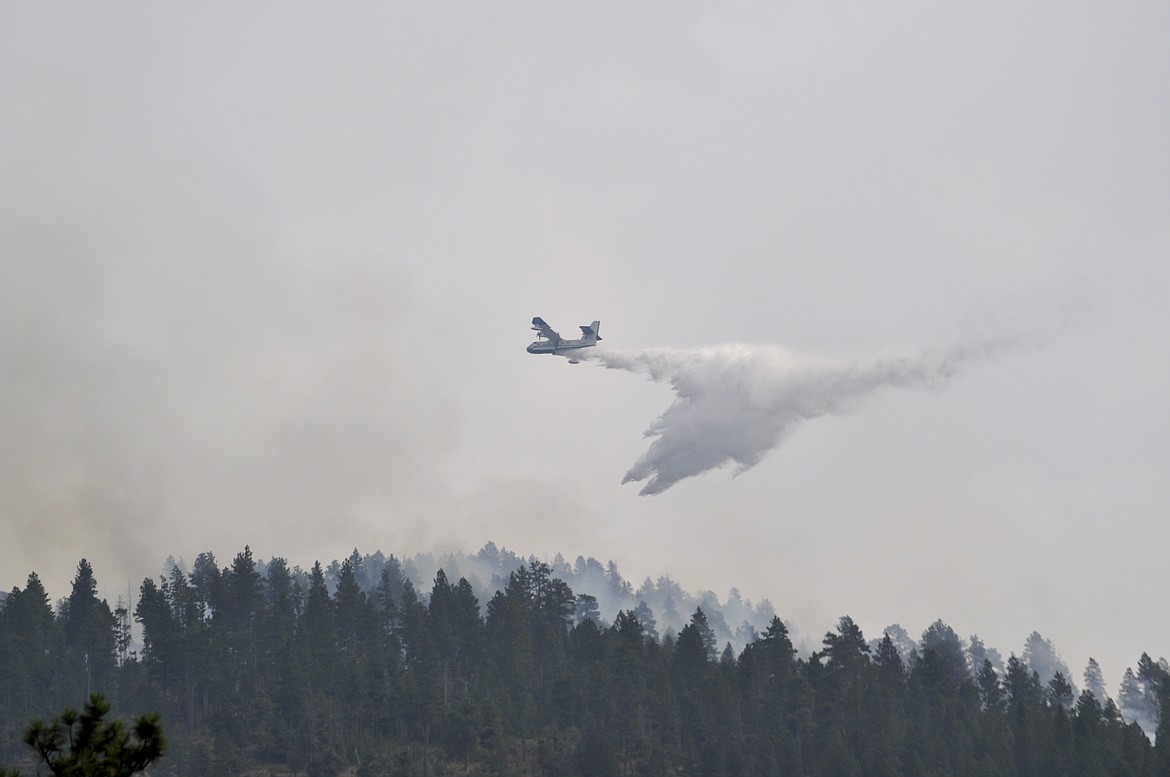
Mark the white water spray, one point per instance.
(735, 403)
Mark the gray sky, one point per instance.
(266, 273)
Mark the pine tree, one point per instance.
(943, 640)
(90, 643)
(990, 691)
(886, 658)
(85, 744)
(1041, 656)
(1060, 692)
(645, 616)
(586, 609)
(1095, 680)
(884, 712)
(28, 649)
(699, 621)
(207, 580)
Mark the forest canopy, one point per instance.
(517, 666)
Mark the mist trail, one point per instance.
(735, 403)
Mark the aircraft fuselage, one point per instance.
(544, 346)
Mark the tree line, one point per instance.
(279, 672)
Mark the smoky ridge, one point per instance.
(663, 607)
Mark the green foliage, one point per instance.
(86, 745)
(266, 668)
(595, 755)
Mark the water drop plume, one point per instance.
(735, 403)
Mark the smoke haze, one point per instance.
(264, 278)
(735, 403)
(148, 404)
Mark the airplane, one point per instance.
(549, 341)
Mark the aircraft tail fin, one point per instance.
(591, 332)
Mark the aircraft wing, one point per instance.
(545, 330)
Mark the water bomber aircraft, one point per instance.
(548, 341)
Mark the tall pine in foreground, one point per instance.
(87, 745)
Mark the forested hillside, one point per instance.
(353, 668)
(662, 605)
